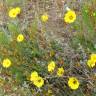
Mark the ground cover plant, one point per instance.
(48, 48)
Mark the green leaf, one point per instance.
(17, 73)
(13, 28)
(88, 25)
(4, 38)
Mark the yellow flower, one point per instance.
(18, 10)
(34, 76)
(39, 82)
(93, 56)
(20, 38)
(60, 72)
(44, 17)
(51, 66)
(70, 16)
(12, 13)
(6, 63)
(92, 61)
(36, 79)
(73, 83)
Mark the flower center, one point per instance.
(39, 80)
(74, 82)
(14, 14)
(71, 17)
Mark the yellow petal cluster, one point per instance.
(20, 38)
(70, 16)
(51, 66)
(92, 61)
(6, 63)
(34, 76)
(36, 79)
(14, 12)
(60, 72)
(73, 83)
(44, 17)
(39, 82)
